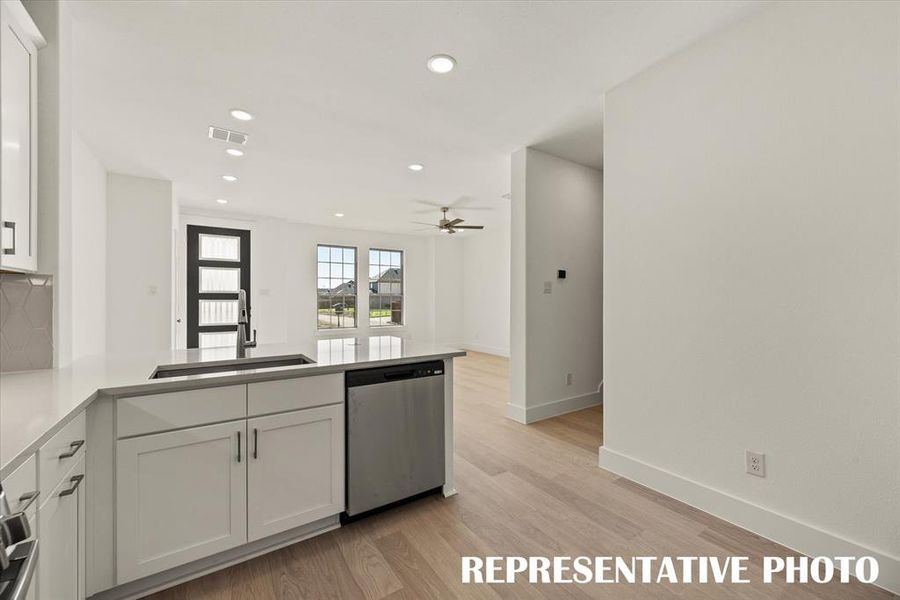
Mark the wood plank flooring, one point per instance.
(523, 490)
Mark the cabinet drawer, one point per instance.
(61, 535)
(21, 486)
(56, 457)
(176, 410)
(291, 394)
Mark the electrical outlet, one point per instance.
(568, 379)
(755, 463)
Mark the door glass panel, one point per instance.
(218, 339)
(220, 247)
(214, 279)
(218, 312)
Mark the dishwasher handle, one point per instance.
(408, 374)
(356, 378)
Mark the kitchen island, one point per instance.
(191, 471)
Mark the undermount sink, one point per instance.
(244, 364)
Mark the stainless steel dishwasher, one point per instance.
(395, 434)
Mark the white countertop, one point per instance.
(36, 404)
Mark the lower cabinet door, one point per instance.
(296, 469)
(61, 533)
(180, 496)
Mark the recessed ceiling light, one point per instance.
(229, 177)
(441, 63)
(242, 115)
(222, 201)
(234, 152)
(339, 215)
(415, 167)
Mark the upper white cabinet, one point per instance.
(19, 43)
(296, 469)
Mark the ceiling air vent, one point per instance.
(227, 135)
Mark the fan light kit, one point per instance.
(241, 115)
(415, 167)
(441, 63)
(229, 177)
(339, 215)
(222, 201)
(449, 225)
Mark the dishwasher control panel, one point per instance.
(434, 368)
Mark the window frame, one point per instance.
(319, 328)
(402, 293)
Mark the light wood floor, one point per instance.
(523, 490)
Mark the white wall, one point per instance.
(451, 279)
(283, 275)
(752, 277)
(557, 221)
(139, 264)
(88, 253)
(485, 281)
(55, 166)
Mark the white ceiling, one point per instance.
(343, 101)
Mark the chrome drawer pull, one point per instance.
(76, 481)
(26, 500)
(74, 447)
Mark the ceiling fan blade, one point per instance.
(465, 203)
(469, 226)
(421, 223)
(454, 222)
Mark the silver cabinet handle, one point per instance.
(239, 446)
(255, 443)
(10, 225)
(26, 500)
(74, 447)
(75, 481)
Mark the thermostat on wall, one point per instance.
(561, 274)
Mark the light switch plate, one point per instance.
(548, 287)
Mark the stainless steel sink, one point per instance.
(244, 364)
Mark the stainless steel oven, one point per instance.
(18, 553)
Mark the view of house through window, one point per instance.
(385, 287)
(336, 287)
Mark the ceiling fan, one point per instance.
(449, 225)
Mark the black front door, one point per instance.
(218, 266)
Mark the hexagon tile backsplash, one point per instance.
(26, 322)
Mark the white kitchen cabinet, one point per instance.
(181, 496)
(295, 471)
(19, 43)
(61, 531)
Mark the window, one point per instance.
(385, 287)
(336, 293)
(218, 266)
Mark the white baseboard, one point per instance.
(555, 408)
(800, 537)
(495, 350)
